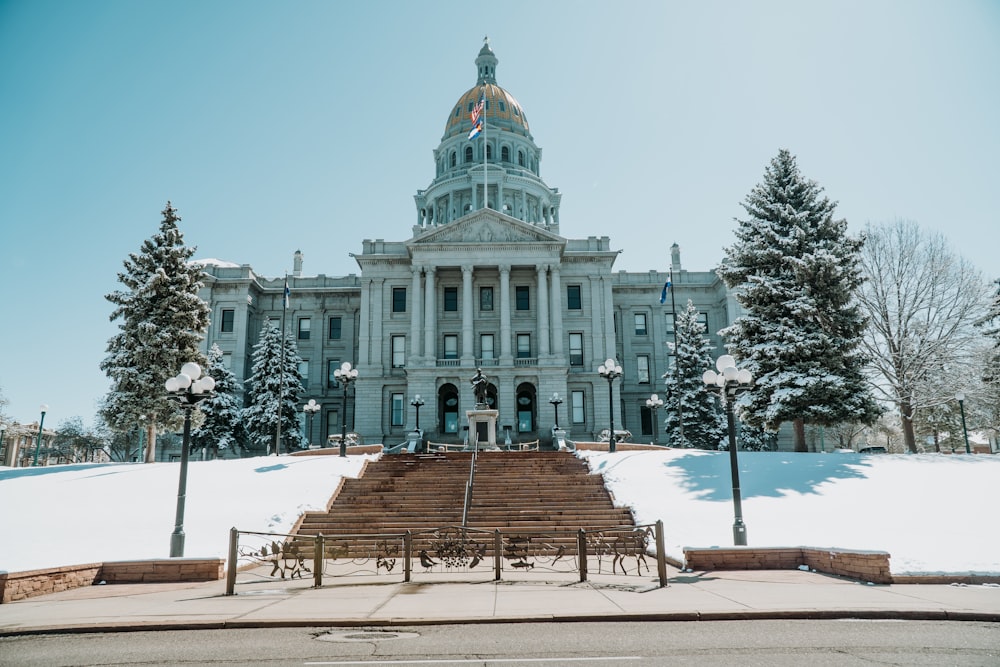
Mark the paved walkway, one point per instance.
(690, 596)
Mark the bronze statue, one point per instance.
(479, 384)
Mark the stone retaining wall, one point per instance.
(21, 585)
(870, 566)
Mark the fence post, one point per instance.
(234, 540)
(497, 549)
(407, 554)
(319, 555)
(581, 548)
(661, 556)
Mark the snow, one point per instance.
(931, 512)
(211, 261)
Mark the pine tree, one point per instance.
(704, 423)
(222, 426)
(267, 381)
(795, 272)
(162, 321)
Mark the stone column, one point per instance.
(430, 315)
(555, 306)
(543, 310)
(415, 313)
(468, 350)
(609, 329)
(505, 356)
(364, 332)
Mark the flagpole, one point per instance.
(281, 368)
(486, 193)
(677, 366)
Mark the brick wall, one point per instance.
(20, 585)
(870, 566)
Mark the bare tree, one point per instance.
(922, 302)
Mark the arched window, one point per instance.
(505, 154)
(525, 400)
(448, 408)
(453, 158)
(520, 158)
(489, 152)
(468, 153)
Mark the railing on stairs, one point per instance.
(469, 485)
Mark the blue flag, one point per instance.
(287, 293)
(663, 294)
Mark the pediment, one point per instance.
(486, 226)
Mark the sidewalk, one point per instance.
(691, 596)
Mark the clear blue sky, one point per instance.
(310, 125)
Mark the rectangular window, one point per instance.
(227, 361)
(450, 346)
(399, 299)
(576, 407)
(331, 379)
(486, 298)
(304, 372)
(451, 299)
(228, 320)
(703, 320)
(523, 346)
(305, 325)
(486, 346)
(397, 410)
(573, 301)
(576, 349)
(335, 324)
(646, 420)
(640, 324)
(668, 320)
(398, 345)
(521, 297)
(642, 368)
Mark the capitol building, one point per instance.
(484, 278)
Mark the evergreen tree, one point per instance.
(222, 426)
(267, 382)
(162, 321)
(795, 272)
(704, 424)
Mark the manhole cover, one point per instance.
(365, 636)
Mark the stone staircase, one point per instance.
(513, 491)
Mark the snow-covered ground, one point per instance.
(932, 513)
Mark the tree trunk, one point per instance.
(799, 429)
(151, 442)
(906, 414)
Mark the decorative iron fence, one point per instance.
(623, 550)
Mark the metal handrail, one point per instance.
(469, 484)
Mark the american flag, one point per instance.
(477, 119)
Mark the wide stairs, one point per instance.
(512, 491)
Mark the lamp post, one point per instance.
(3, 433)
(346, 375)
(610, 370)
(654, 403)
(730, 381)
(556, 400)
(38, 442)
(187, 388)
(416, 403)
(960, 397)
(311, 408)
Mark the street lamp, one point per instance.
(188, 388)
(730, 381)
(610, 370)
(311, 408)
(960, 397)
(346, 375)
(3, 433)
(654, 403)
(416, 403)
(38, 443)
(556, 401)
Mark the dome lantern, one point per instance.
(486, 64)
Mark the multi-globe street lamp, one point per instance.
(654, 403)
(38, 442)
(188, 388)
(960, 397)
(556, 401)
(610, 370)
(731, 381)
(416, 403)
(310, 409)
(345, 375)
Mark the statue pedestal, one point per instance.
(482, 428)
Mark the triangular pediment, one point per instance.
(486, 226)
